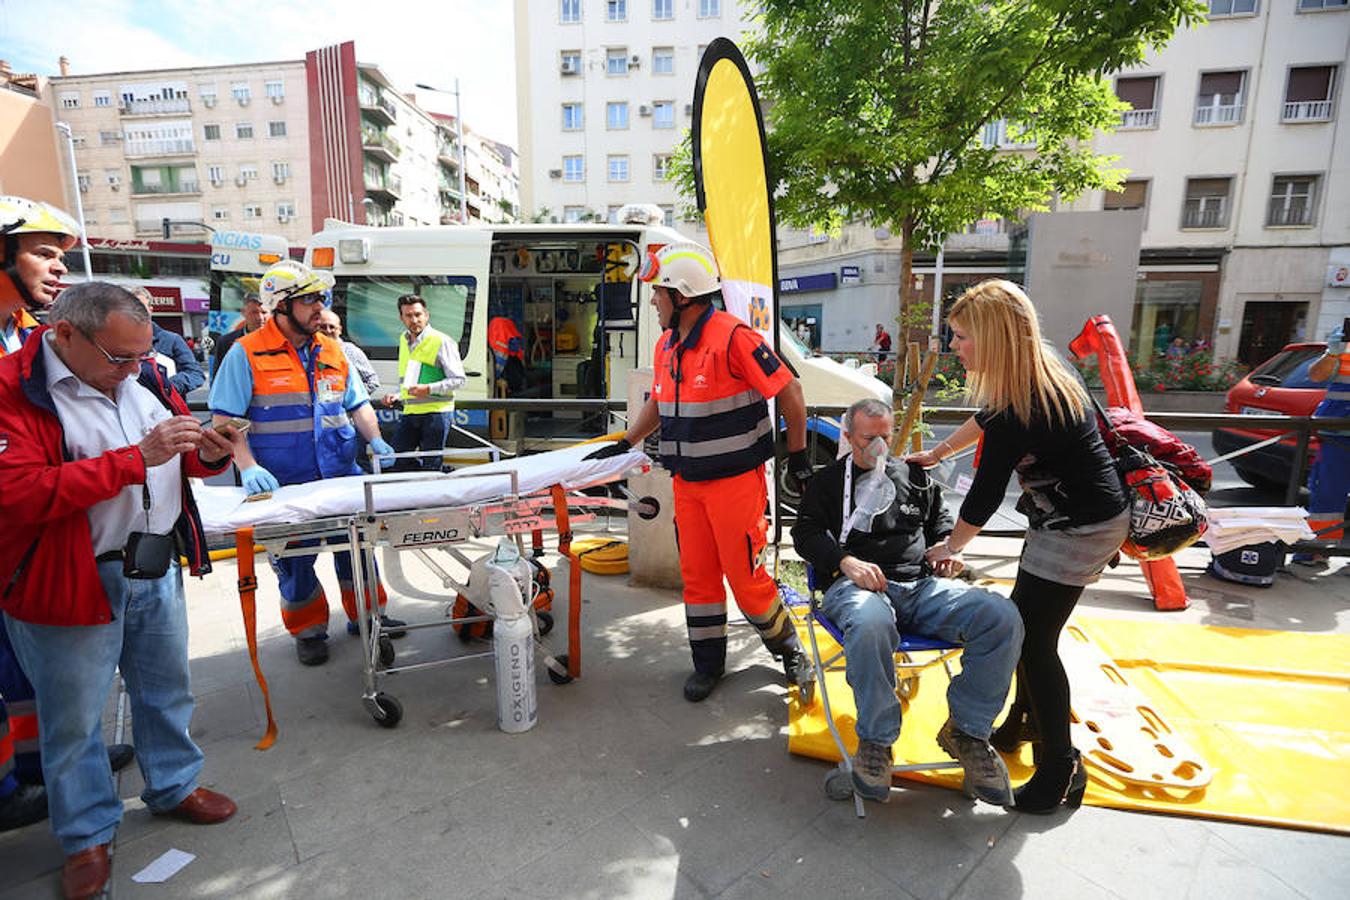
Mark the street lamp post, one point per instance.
(79, 201)
(459, 139)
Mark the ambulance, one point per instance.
(238, 261)
(562, 300)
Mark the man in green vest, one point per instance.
(429, 372)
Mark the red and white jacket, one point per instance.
(48, 574)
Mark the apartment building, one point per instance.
(605, 90)
(269, 147)
(227, 146)
(1236, 158)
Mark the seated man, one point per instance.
(886, 513)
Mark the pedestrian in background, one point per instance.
(429, 373)
(172, 352)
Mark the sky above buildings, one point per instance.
(410, 40)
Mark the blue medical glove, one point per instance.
(380, 448)
(258, 480)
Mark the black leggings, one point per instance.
(1042, 685)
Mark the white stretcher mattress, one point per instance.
(223, 508)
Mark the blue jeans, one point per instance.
(986, 624)
(422, 431)
(72, 668)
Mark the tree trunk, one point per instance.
(902, 328)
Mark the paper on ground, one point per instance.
(165, 867)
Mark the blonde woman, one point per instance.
(1036, 419)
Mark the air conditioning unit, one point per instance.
(277, 99)
(569, 67)
(209, 100)
(240, 180)
(634, 61)
(644, 110)
(555, 173)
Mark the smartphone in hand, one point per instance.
(242, 425)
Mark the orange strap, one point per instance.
(574, 582)
(248, 588)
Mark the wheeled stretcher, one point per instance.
(418, 513)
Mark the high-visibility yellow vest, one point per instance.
(428, 372)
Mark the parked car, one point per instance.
(1279, 386)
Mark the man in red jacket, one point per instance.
(91, 528)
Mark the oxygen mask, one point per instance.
(875, 492)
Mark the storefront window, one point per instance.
(1163, 312)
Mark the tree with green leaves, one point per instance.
(877, 108)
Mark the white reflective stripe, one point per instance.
(288, 426)
(708, 632)
(720, 446)
(293, 398)
(700, 408)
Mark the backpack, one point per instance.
(1177, 456)
(1166, 513)
(543, 604)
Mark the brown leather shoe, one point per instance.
(85, 873)
(202, 807)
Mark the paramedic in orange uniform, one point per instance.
(713, 376)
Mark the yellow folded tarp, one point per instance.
(1268, 711)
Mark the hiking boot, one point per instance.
(797, 667)
(872, 771)
(986, 777)
(388, 624)
(25, 806)
(312, 651)
(699, 685)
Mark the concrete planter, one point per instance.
(1178, 401)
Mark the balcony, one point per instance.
(380, 111)
(175, 106)
(1220, 114)
(1205, 217)
(996, 134)
(380, 145)
(1139, 118)
(385, 190)
(1292, 215)
(161, 147)
(1307, 111)
(187, 187)
(448, 156)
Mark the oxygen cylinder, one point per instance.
(512, 643)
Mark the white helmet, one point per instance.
(288, 279)
(684, 266)
(19, 215)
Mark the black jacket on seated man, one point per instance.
(896, 542)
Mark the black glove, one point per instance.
(618, 448)
(799, 469)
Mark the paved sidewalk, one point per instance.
(625, 790)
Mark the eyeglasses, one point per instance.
(147, 356)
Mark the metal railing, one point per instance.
(1307, 110)
(1139, 118)
(161, 147)
(1221, 114)
(1206, 217)
(1299, 213)
(152, 107)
